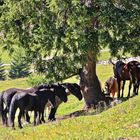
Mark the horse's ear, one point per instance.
(110, 60)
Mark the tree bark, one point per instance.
(89, 82)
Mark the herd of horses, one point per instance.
(35, 99)
(124, 72)
(52, 95)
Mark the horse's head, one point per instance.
(108, 85)
(116, 67)
(60, 91)
(74, 89)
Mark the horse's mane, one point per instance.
(119, 63)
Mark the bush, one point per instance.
(20, 67)
(35, 79)
(2, 71)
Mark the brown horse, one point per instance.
(123, 72)
(111, 86)
(134, 71)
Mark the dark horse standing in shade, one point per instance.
(73, 89)
(134, 71)
(6, 97)
(122, 74)
(34, 102)
(29, 102)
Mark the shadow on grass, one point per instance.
(101, 107)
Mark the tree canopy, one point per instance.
(58, 34)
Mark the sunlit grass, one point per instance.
(19, 83)
(122, 121)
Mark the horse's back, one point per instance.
(26, 101)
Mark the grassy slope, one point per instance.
(122, 121)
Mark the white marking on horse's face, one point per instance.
(66, 90)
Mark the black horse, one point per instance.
(72, 88)
(6, 97)
(29, 102)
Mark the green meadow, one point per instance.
(120, 122)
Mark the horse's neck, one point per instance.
(31, 89)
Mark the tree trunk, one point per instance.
(90, 83)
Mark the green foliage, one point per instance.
(36, 79)
(20, 67)
(2, 71)
(65, 31)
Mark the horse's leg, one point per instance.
(35, 116)
(27, 117)
(21, 113)
(42, 116)
(137, 86)
(38, 117)
(52, 114)
(134, 87)
(118, 81)
(6, 111)
(130, 85)
(4, 117)
(113, 94)
(123, 88)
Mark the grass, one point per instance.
(19, 83)
(121, 121)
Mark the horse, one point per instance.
(73, 89)
(30, 102)
(111, 86)
(121, 73)
(57, 90)
(134, 71)
(6, 97)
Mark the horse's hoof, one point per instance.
(43, 121)
(13, 128)
(52, 119)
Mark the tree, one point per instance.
(20, 67)
(2, 71)
(72, 33)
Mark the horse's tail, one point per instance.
(1, 104)
(12, 111)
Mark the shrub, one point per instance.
(2, 71)
(20, 66)
(36, 79)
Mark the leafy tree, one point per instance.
(20, 67)
(72, 33)
(2, 71)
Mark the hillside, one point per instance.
(121, 121)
